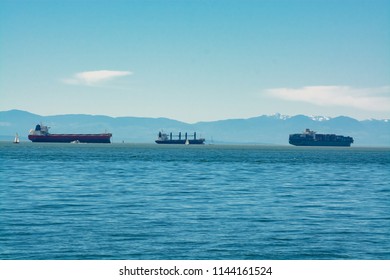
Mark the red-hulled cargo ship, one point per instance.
(41, 134)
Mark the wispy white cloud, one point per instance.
(94, 78)
(369, 99)
(5, 124)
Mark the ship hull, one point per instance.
(321, 144)
(67, 138)
(181, 142)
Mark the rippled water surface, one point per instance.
(122, 201)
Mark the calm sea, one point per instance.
(128, 201)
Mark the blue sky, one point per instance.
(196, 60)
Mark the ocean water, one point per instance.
(128, 201)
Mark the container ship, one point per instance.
(41, 134)
(311, 138)
(164, 138)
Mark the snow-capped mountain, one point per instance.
(320, 118)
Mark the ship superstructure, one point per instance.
(41, 134)
(311, 138)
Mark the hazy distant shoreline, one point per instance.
(264, 130)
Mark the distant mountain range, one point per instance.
(263, 129)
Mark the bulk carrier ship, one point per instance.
(311, 138)
(163, 138)
(41, 134)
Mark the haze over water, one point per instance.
(122, 201)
